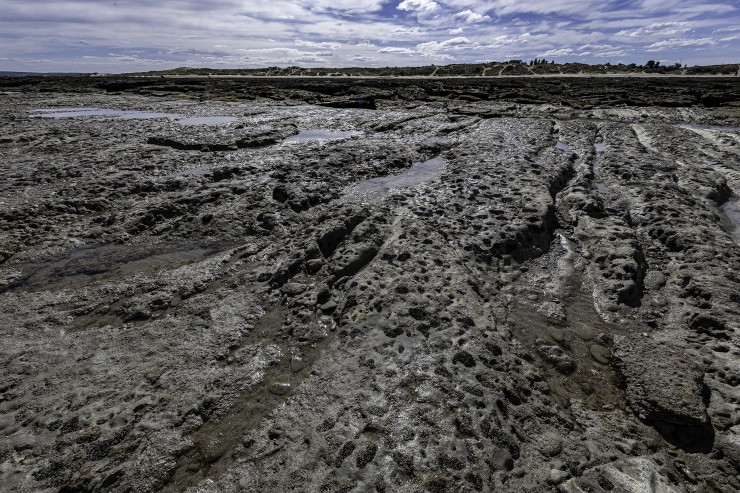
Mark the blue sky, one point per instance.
(133, 35)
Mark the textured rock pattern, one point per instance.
(661, 383)
(216, 308)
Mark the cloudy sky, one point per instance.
(134, 35)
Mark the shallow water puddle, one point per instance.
(563, 146)
(599, 146)
(129, 115)
(376, 189)
(306, 135)
(732, 211)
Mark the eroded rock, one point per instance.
(662, 383)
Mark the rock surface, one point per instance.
(661, 383)
(553, 307)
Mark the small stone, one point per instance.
(599, 353)
(297, 364)
(314, 265)
(557, 476)
(280, 388)
(328, 307)
(654, 280)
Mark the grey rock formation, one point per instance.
(440, 286)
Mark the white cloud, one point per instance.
(396, 49)
(727, 29)
(418, 5)
(314, 44)
(658, 29)
(471, 17)
(601, 50)
(702, 9)
(680, 43)
(508, 7)
(240, 33)
(347, 6)
(434, 48)
(409, 31)
(596, 47)
(558, 52)
(364, 59)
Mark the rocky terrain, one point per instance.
(371, 285)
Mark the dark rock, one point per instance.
(662, 383)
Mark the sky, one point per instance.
(137, 35)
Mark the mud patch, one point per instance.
(574, 354)
(88, 264)
(222, 440)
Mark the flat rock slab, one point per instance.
(661, 383)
